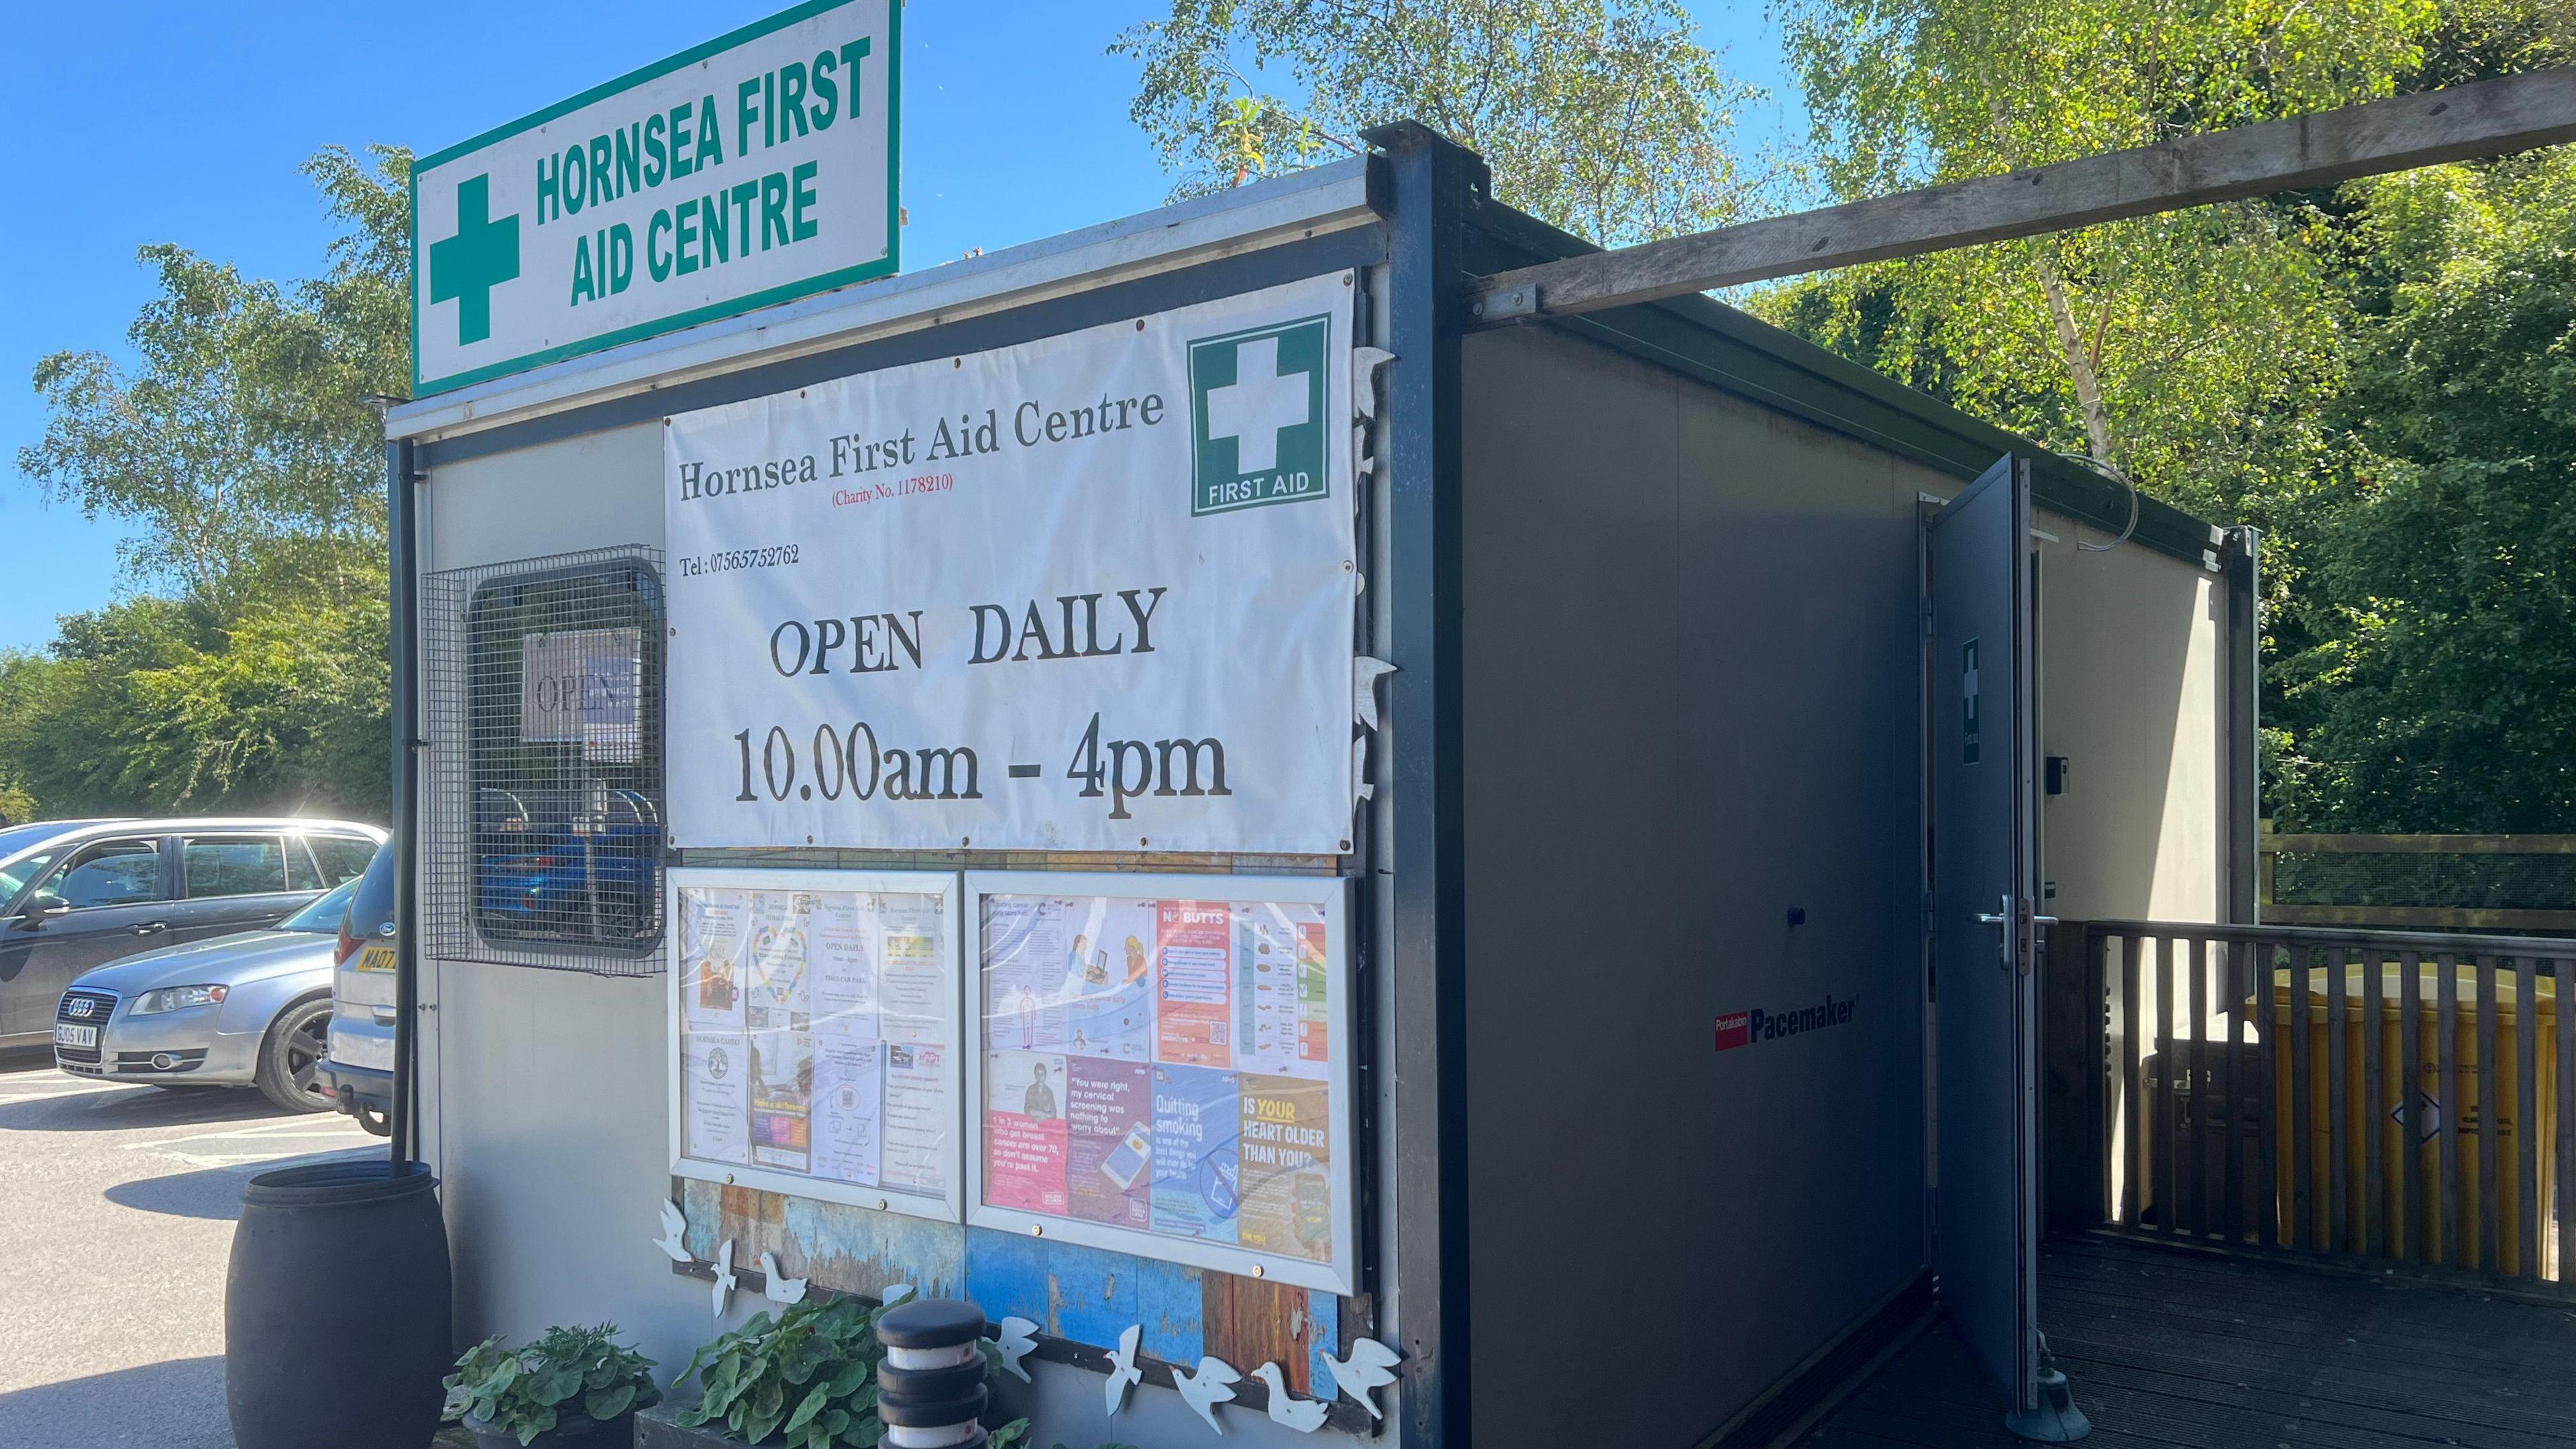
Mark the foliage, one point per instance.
(159, 705)
(566, 1375)
(2439, 689)
(1605, 117)
(2191, 350)
(809, 1375)
(242, 445)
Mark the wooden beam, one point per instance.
(2488, 118)
(2417, 844)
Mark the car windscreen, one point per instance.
(17, 873)
(323, 916)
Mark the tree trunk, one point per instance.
(2079, 360)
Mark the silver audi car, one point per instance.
(245, 1010)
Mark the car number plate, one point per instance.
(66, 1034)
(377, 958)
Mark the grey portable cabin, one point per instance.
(1678, 1048)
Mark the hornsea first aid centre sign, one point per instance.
(1089, 593)
(758, 167)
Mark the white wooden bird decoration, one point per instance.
(1365, 673)
(1370, 1366)
(1207, 1388)
(675, 1233)
(1123, 1373)
(1018, 1341)
(724, 1276)
(1365, 361)
(780, 1288)
(1303, 1415)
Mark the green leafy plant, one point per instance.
(809, 1375)
(567, 1378)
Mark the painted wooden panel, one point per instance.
(1088, 1295)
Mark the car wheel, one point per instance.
(290, 1060)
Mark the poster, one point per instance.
(1161, 1074)
(845, 966)
(1194, 975)
(920, 1118)
(1109, 1122)
(713, 1068)
(1024, 1144)
(1285, 1179)
(1198, 1130)
(815, 1033)
(849, 1109)
(1148, 640)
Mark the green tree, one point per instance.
(2190, 351)
(2439, 692)
(1605, 117)
(243, 444)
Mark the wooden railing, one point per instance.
(2418, 913)
(2377, 1095)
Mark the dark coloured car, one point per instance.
(76, 895)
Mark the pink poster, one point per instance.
(1025, 1138)
(1194, 1012)
(1109, 1107)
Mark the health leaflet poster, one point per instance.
(714, 1067)
(1024, 1147)
(710, 940)
(815, 1027)
(782, 1094)
(844, 930)
(1193, 1005)
(1109, 986)
(1109, 1119)
(849, 1108)
(1162, 1070)
(918, 1114)
(1286, 1177)
(1028, 952)
(916, 982)
(1198, 1127)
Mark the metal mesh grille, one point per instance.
(542, 808)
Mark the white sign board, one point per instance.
(1164, 1068)
(1089, 593)
(757, 167)
(814, 1035)
(579, 686)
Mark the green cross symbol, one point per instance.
(482, 255)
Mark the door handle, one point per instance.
(149, 928)
(1999, 917)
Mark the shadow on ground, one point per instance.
(215, 1192)
(125, 1109)
(178, 1404)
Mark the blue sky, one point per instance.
(142, 122)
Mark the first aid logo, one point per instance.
(1257, 417)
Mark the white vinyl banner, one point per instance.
(1089, 593)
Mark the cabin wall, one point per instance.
(1690, 649)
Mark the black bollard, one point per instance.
(930, 1389)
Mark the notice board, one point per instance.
(1163, 1067)
(1089, 593)
(814, 1035)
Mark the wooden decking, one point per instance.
(2168, 1348)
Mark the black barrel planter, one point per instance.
(336, 1312)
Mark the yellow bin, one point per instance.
(2422, 1120)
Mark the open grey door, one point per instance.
(1984, 747)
